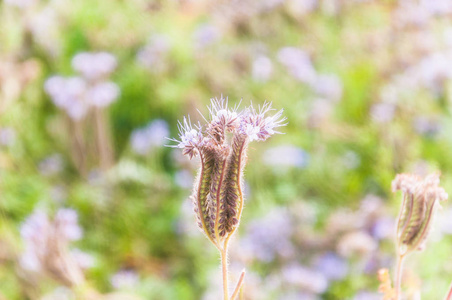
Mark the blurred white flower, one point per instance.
(60, 293)
(357, 243)
(351, 160)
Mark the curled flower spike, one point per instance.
(218, 190)
(421, 197)
(190, 139)
(257, 126)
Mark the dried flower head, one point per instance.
(421, 197)
(217, 194)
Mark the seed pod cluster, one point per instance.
(421, 198)
(222, 147)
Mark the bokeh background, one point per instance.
(90, 89)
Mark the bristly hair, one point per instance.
(217, 194)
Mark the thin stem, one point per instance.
(238, 288)
(224, 265)
(398, 280)
(449, 293)
(79, 147)
(103, 139)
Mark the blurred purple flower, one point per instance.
(153, 135)
(205, 35)
(301, 7)
(184, 179)
(51, 165)
(22, 4)
(366, 295)
(383, 228)
(304, 278)
(124, 279)
(68, 94)
(426, 126)
(437, 7)
(298, 64)
(382, 112)
(94, 66)
(102, 94)
(35, 233)
(328, 86)
(332, 266)
(83, 259)
(262, 68)
(152, 55)
(66, 224)
(319, 112)
(286, 156)
(296, 295)
(270, 236)
(7, 136)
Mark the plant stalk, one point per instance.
(224, 265)
(238, 288)
(398, 279)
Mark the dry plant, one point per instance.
(218, 190)
(421, 198)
